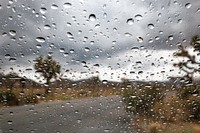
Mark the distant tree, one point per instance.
(48, 68)
(190, 63)
(95, 82)
(10, 80)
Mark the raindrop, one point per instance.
(92, 17)
(87, 49)
(97, 26)
(40, 39)
(7, 56)
(171, 37)
(69, 24)
(10, 122)
(67, 5)
(180, 21)
(54, 6)
(105, 15)
(188, 5)
(62, 50)
(104, 81)
(71, 51)
(140, 72)
(65, 54)
(157, 38)
(79, 121)
(140, 39)
(138, 17)
(151, 26)
(150, 40)
(70, 35)
(14, 9)
(106, 130)
(130, 21)
(47, 27)
(11, 113)
(12, 32)
(128, 34)
(12, 59)
(38, 46)
(96, 65)
(43, 10)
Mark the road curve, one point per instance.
(89, 115)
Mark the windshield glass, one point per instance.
(99, 66)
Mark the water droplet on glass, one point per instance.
(12, 32)
(69, 24)
(150, 26)
(87, 49)
(106, 130)
(12, 59)
(47, 27)
(71, 51)
(97, 25)
(140, 39)
(14, 9)
(70, 35)
(180, 21)
(130, 21)
(128, 34)
(11, 113)
(188, 5)
(104, 81)
(138, 17)
(43, 10)
(105, 15)
(67, 5)
(10, 122)
(92, 17)
(54, 6)
(7, 56)
(38, 46)
(62, 50)
(40, 39)
(171, 37)
(79, 121)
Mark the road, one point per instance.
(89, 115)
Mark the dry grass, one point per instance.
(37, 95)
(149, 125)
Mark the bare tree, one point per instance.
(190, 63)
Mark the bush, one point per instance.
(171, 110)
(8, 98)
(141, 101)
(187, 91)
(31, 99)
(192, 106)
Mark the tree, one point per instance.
(190, 63)
(48, 68)
(10, 80)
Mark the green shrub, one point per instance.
(31, 99)
(187, 91)
(192, 106)
(8, 98)
(141, 101)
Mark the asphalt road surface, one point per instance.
(90, 115)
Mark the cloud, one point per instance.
(109, 40)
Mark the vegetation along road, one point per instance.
(89, 115)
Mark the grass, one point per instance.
(178, 111)
(37, 95)
(146, 124)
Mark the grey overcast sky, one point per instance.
(114, 39)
